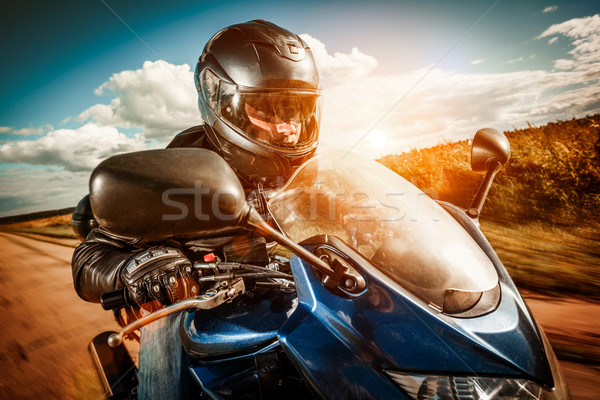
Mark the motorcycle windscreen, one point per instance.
(401, 230)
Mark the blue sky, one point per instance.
(83, 80)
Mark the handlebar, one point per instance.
(115, 299)
(119, 298)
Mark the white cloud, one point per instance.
(549, 9)
(553, 40)
(339, 67)
(160, 98)
(514, 60)
(474, 62)
(585, 36)
(78, 149)
(24, 131)
(575, 28)
(23, 190)
(564, 64)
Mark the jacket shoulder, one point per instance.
(191, 137)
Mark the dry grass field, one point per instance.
(56, 226)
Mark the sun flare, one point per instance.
(378, 138)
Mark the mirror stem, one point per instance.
(493, 167)
(256, 221)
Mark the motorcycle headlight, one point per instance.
(438, 387)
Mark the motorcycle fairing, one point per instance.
(230, 377)
(342, 345)
(392, 223)
(232, 348)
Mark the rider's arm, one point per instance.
(97, 263)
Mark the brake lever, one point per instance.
(210, 299)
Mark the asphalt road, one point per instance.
(46, 327)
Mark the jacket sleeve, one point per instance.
(97, 263)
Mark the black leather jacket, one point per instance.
(98, 260)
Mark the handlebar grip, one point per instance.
(114, 299)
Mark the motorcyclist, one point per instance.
(259, 96)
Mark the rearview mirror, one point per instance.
(489, 144)
(489, 152)
(156, 194)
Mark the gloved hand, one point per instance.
(160, 273)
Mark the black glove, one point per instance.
(159, 273)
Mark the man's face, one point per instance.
(276, 121)
(285, 117)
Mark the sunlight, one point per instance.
(378, 138)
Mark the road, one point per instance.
(46, 327)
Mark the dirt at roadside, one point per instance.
(45, 326)
(572, 326)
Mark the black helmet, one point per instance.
(259, 95)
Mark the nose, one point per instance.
(287, 128)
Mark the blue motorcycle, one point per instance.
(375, 291)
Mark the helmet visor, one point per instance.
(284, 118)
